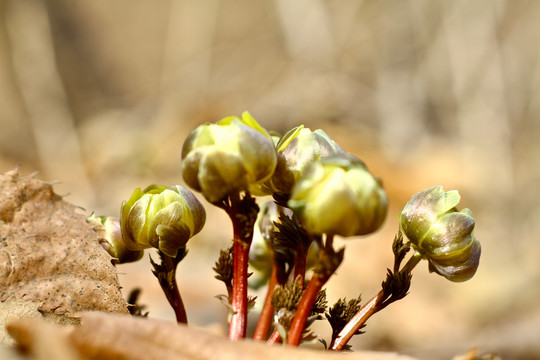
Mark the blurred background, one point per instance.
(97, 96)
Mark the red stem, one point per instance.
(174, 298)
(369, 308)
(243, 212)
(265, 319)
(304, 309)
(357, 321)
(274, 338)
(166, 275)
(299, 270)
(179, 309)
(239, 300)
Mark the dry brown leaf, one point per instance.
(43, 340)
(49, 255)
(111, 336)
(14, 309)
(8, 353)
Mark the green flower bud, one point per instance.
(296, 150)
(161, 217)
(227, 157)
(109, 229)
(441, 233)
(339, 196)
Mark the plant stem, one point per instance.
(274, 338)
(304, 309)
(166, 275)
(265, 319)
(357, 321)
(329, 261)
(243, 213)
(371, 307)
(239, 301)
(413, 261)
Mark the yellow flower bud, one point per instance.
(339, 196)
(161, 217)
(109, 228)
(227, 157)
(441, 233)
(296, 150)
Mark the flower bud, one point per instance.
(262, 189)
(161, 217)
(339, 196)
(227, 157)
(296, 150)
(109, 228)
(441, 233)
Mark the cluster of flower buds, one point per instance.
(441, 233)
(331, 191)
(161, 217)
(318, 189)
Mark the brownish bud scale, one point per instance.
(339, 196)
(161, 217)
(441, 233)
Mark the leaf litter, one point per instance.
(51, 262)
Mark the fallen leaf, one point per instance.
(8, 353)
(43, 340)
(49, 255)
(14, 309)
(107, 336)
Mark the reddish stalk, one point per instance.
(275, 338)
(239, 301)
(329, 261)
(304, 309)
(178, 306)
(359, 319)
(166, 275)
(299, 270)
(267, 313)
(243, 212)
(371, 307)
